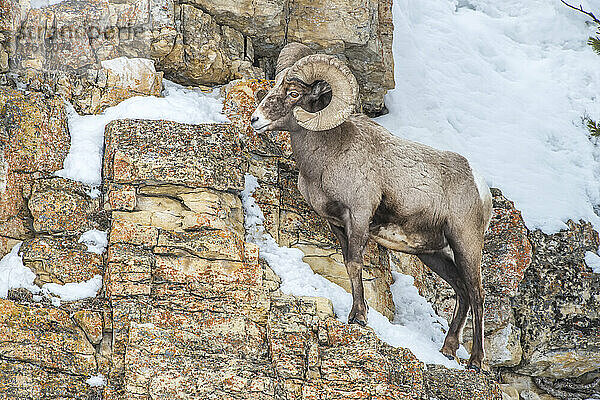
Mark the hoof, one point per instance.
(474, 367)
(450, 357)
(357, 322)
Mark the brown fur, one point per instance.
(407, 196)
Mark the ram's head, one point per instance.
(316, 92)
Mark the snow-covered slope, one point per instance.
(505, 83)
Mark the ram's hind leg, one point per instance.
(467, 256)
(443, 265)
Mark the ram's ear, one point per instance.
(260, 95)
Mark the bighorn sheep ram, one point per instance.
(368, 183)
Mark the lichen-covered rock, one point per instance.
(34, 131)
(97, 87)
(61, 47)
(30, 381)
(558, 305)
(60, 260)
(195, 157)
(457, 385)
(34, 141)
(196, 315)
(61, 206)
(44, 354)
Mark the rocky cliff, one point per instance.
(187, 308)
(194, 42)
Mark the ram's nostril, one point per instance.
(254, 119)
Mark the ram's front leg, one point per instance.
(357, 232)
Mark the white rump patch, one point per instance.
(482, 187)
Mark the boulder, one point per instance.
(44, 354)
(558, 305)
(60, 260)
(61, 206)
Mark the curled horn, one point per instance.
(291, 53)
(344, 88)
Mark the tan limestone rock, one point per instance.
(125, 78)
(91, 323)
(207, 53)
(330, 264)
(46, 337)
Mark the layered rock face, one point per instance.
(194, 311)
(541, 298)
(198, 42)
(188, 309)
(47, 351)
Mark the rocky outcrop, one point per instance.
(189, 309)
(35, 141)
(194, 311)
(360, 32)
(541, 305)
(198, 42)
(46, 352)
(558, 306)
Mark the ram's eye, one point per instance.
(293, 94)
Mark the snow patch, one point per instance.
(504, 83)
(593, 261)
(96, 381)
(74, 291)
(14, 275)
(415, 326)
(44, 3)
(95, 240)
(190, 106)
